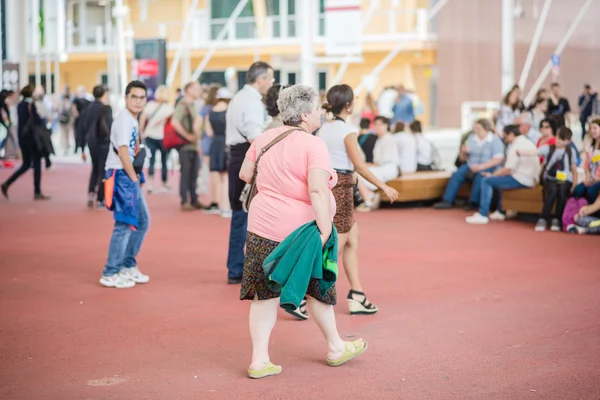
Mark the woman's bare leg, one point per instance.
(350, 258)
(324, 316)
(263, 315)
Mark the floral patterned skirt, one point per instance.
(254, 282)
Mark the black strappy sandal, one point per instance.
(300, 312)
(360, 307)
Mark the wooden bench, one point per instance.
(430, 185)
(528, 200)
(420, 186)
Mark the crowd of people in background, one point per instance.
(523, 147)
(390, 143)
(323, 168)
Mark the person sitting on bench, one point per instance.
(482, 152)
(518, 172)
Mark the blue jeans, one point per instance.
(237, 241)
(460, 176)
(487, 190)
(125, 243)
(590, 193)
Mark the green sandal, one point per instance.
(268, 370)
(360, 346)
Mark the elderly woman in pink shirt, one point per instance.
(294, 182)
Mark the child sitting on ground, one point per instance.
(586, 223)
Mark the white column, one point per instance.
(60, 41)
(307, 12)
(508, 44)
(47, 40)
(120, 12)
(35, 35)
(17, 44)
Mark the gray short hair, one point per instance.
(256, 70)
(295, 101)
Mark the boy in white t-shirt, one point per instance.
(124, 195)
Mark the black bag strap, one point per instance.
(547, 161)
(267, 147)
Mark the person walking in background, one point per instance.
(152, 123)
(206, 141)
(346, 157)
(65, 120)
(215, 124)
(187, 124)
(95, 123)
(403, 108)
(245, 120)
(28, 121)
(124, 194)
(8, 99)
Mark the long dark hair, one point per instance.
(271, 98)
(338, 98)
(595, 142)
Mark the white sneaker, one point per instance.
(541, 225)
(135, 275)
(226, 213)
(555, 226)
(497, 216)
(477, 219)
(118, 281)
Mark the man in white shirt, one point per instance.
(385, 154)
(246, 119)
(518, 172)
(527, 129)
(124, 195)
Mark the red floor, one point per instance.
(467, 312)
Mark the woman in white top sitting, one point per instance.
(424, 148)
(385, 165)
(346, 157)
(152, 124)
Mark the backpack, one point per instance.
(571, 210)
(553, 169)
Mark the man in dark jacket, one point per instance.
(94, 130)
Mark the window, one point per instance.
(224, 8)
(43, 81)
(322, 80)
(221, 10)
(210, 77)
(292, 78)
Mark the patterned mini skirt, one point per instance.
(344, 202)
(254, 282)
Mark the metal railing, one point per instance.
(388, 25)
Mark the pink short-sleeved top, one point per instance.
(283, 203)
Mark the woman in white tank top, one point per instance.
(346, 158)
